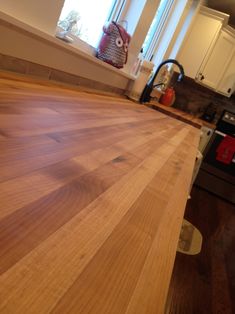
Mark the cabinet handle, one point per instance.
(200, 76)
(229, 90)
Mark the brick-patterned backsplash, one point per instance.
(193, 98)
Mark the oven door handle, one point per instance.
(220, 133)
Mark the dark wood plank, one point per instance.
(205, 283)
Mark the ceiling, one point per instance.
(226, 6)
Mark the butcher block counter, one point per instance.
(93, 190)
(181, 115)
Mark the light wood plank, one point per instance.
(92, 194)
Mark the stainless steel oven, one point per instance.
(217, 172)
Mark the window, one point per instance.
(156, 28)
(85, 18)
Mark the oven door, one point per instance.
(216, 176)
(214, 166)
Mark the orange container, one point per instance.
(168, 97)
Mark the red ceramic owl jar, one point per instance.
(113, 46)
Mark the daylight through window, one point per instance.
(155, 29)
(85, 19)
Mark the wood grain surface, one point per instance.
(207, 283)
(92, 194)
(181, 115)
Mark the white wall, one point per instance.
(56, 54)
(183, 28)
(134, 6)
(168, 33)
(41, 14)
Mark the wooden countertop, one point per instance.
(181, 115)
(92, 194)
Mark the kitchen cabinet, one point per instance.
(201, 38)
(227, 83)
(218, 68)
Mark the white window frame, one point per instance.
(159, 28)
(117, 10)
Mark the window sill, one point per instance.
(73, 48)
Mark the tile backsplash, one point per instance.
(12, 64)
(193, 98)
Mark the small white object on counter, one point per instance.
(63, 36)
(137, 87)
(136, 68)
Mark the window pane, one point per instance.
(85, 18)
(154, 26)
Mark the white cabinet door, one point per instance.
(217, 61)
(200, 39)
(227, 83)
(206, 134)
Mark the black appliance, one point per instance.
(209, 113)
(216, 176)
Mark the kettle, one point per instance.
(168, 97)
